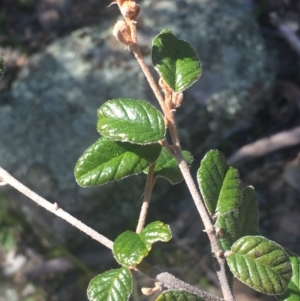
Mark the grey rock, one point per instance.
(51, 118)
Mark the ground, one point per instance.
(28, 26)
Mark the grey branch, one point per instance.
(264, 146)
(286, 32)
(5, 177)
(172, 282)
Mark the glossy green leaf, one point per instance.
(131, 120)
(113, 285)
(175, 60)
(247, 222)
(167, 167)
(261, 264)
(155, 231)
(178, 295)
(129, 249)
(108, 160)
(293, 291)
(1, 67)
(219, 184)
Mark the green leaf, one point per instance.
(226, 229)
(261, 264)
(175, 61)
(113, 285)
(155, 231)
(1, 67)
(108, 160)
(166, 166)
(131, 248)
(219, 184)
(293, 291)
(247, 221)
(131, 120)
(241, 222)
(178, 295)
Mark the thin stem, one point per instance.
(137, 53)
(135, 48)
(146, 199)
(208, 224)
(54, 208)
(209, 228)
(133, 31)
(205, 216)
(174, 133)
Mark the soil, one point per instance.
(28, 26)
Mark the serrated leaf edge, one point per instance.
(113, 180)
(261, 280)
(121, 272)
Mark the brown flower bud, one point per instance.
(122, 32)
(130, 9)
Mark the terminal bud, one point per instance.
(130, 9)
(122, 32)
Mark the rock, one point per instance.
(14, 59)
(51, 118)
